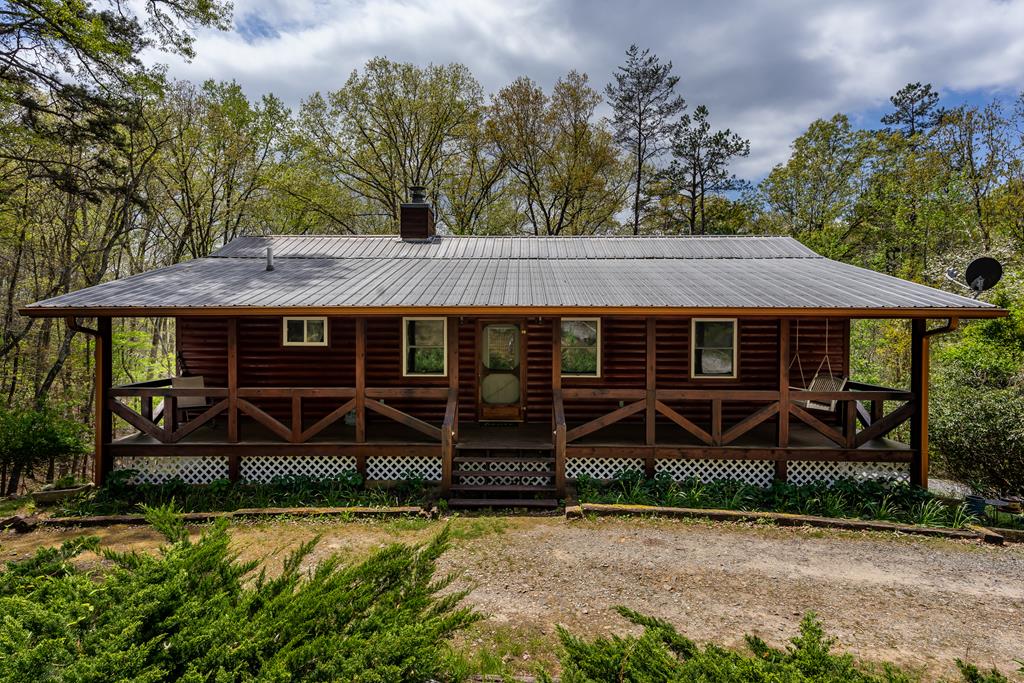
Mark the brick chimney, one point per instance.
(417, 218)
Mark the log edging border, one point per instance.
(781, 519)
(29, 523)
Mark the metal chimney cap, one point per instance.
(419, 194)
(270, 257)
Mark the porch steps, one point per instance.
(505, 488)
(544, 503)
(503, 478)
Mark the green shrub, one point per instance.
(977, 437)
(29, 438)
(661, 655)
(884, 500)
(119, 496)
(195, 613)
(977, 407)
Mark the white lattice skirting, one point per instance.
(806, 471)
(601, 468)
(508, 465)
(755, 472)
(201, 469)
(386, 468)
(265, 468)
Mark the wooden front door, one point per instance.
(501, 360)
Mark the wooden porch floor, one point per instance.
(523, 436)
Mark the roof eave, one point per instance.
(545, 311)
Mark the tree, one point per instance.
(700, 165)
(567, 174)
(814, 195)
(215, 164)
(980, 152)
(644, 103)
(916, 109)
(391, 126)
(72, 67)
(29, 438)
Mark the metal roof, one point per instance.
(383, 272)
(474, 247)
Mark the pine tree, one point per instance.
(644, 102)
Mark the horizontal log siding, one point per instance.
(538, 370)
(264, 361)
(202, 348)
(384, 369)
(467, 370)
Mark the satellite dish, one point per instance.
(982, 274)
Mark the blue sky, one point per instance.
(765, 69)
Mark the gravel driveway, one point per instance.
(915, 601)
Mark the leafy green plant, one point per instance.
(929, 513)
(885, 500)
(121, 496)
(30, 437)
(977, 414)
(662, 655)
(193, 612)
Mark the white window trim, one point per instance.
(735, 347)
(405, 348)
(304, 319)
(571, 375)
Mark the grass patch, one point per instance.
(880, 500)
(472, 528)
(504, 651)
(1002, 520)
(10, 506)
(349, 490)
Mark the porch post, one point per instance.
(783, 430)
(234, 466)
(360, 380)
(556, 392)
(650, 413)
(919, 388)
(104, 427)
(450, 434)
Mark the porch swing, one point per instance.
(824, 378)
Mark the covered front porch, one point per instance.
(756, 435)
(763, 446)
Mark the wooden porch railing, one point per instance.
(449, 435)
(163, 426)
(559, 436)
(850, 409)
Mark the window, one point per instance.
(305, 331)
(424, 344)
(713, 348)
(581, 347)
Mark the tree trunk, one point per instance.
(636, 194)
(12, 483)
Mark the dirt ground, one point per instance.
(918, 602)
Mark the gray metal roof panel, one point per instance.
(696, 282)
(467, 247)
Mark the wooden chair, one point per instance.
(190, 407)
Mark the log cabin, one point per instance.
(504, 367)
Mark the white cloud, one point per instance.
(765, 69)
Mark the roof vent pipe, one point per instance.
(270, 257)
